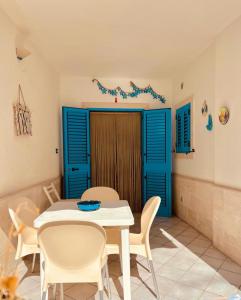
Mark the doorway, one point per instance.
(137, 153)
(115, 141)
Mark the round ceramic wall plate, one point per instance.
(223, 115)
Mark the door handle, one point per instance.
(75, 169)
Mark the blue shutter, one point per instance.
(157, 158)
(76, 151)
(187, 128)
(183, 129)
(179, 131)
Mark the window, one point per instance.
(183, 129)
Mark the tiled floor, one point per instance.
(187, 267)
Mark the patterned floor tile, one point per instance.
(187, 266)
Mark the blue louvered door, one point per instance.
(76, 151)
(156, 158)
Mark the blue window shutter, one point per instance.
(183, 129)
(179, 131)
(157, 158)
(76, 151)
(187, 128)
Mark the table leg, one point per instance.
(125, 252)
(43, 295)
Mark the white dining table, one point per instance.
(111, 213)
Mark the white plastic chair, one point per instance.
(74, 251)
(101, 193)
(51, 190)
(27, 238)
(139, 243)
(25, 209)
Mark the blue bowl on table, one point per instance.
(89, 205)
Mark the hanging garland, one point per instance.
(136, 91)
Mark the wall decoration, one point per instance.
(223, 115)
(22, 115)
(204, 108)
(209, 126)
(136, 91)
(22, 53)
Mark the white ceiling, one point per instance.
(125, 38)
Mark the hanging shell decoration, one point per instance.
(209, 126)
(22, 115)
(204, 108)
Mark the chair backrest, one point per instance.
(49, 191)
(101, 193)
(24, 210)
(148, 214)
(72, 246)
(17, 222)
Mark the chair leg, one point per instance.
(44, 295)
(33, 262)
(103, 278)
(154, 279)
(101, 293)
(101, 285)
(120, 256)
(61, 291)
(108, 281)
(149, 266)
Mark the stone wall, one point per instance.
(213, 210)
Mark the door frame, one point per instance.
(116, 109)
(141, 110)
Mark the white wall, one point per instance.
(26, 160)
(228, 92)
(215, 77)
(199, 81)
(77, 90)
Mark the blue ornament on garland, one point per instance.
(209, 126)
